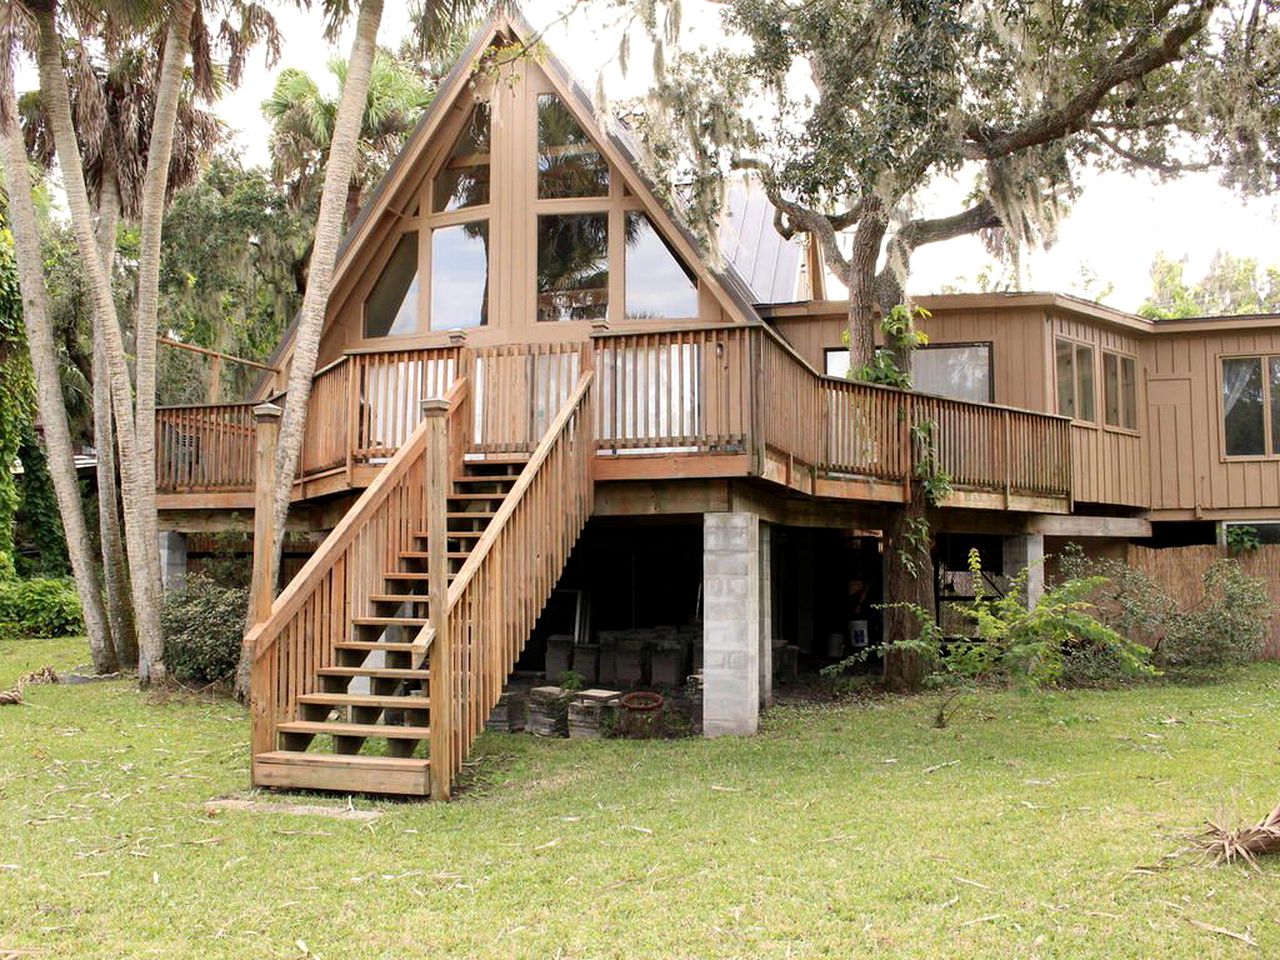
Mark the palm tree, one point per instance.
(115, 104)
(302, 120)
(44, 362)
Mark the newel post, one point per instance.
(266, 418)
(440, 655)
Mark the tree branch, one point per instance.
(987, 143)
(1172, 168)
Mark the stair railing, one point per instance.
(315, 610)
(496, 598)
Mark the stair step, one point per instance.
(381, 673)
(382, 702)
(389, 621)
(490, 458)
(370, 646)
(398, 598)
(387, 730)
(345, 773)
(488, 478)
(452, 534)
(422, 554)
(477, 496)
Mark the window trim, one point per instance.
(1136, 429)
(1267, 435)
(1095, 350)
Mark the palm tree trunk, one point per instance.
(139, 528)
(53, 413)
(306, 343)
(115, 568)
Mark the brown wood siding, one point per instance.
(1191, 475)
(1109, 464)
(1014, 334)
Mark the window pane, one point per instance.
(460, 276)
(837, 363)
(1128, 393)
(569, 165)
(573, 267)
(1084, 382)
(463, 181)
(1275, 405)
(658, 283)
(962, 373)
(1066, 379)
(1242, 406)
(392, 306)
(1111, 389)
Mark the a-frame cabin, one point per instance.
(522, 344)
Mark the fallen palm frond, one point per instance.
(13, 696)
(1222, 846)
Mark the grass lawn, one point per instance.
(841, 831)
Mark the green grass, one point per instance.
(826, 836)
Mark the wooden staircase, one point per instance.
(349, 677)
(376, 740)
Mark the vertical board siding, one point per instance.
(1190, 475)
(1180, 571)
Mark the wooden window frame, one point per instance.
(616, 204)
(1136, 429)
(1076, 421)
(1272, 453)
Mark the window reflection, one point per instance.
(460, 276)
(392, 306)
(1242, 406)
(569, 165)
(658, 283)
(573, 266)
(463, 181)
(959, 372)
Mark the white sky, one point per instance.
(1114, 231)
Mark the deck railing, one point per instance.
(698, 391)
(205, 448)
(314, 611)
(497, 596)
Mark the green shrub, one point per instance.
(1228, 626)
(203, 628)
(40, 608)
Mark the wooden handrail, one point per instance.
(292, 597)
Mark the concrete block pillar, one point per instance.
(731, 623)
(1023, 552)
(173, 560)
(766, 615)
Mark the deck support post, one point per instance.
(731, 623)
(266, 418)
(439, 656)
(1026, 552)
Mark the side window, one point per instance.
(1119, 391)
(659, 285)
(1073, 363)
(836, 362)
(1244, 407)
(392, 304)
(958, 371)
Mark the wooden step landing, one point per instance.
(398, 598)
(389, 621)
(344, 773)
(380, 702)
(390, 731)
(369, 646)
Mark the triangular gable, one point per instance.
(616, 145)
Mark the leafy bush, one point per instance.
(1028, 646)
(40, 608)
(1228, 626)
(203, 628)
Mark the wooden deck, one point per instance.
(688, 402)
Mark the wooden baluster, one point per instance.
(440, 658)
